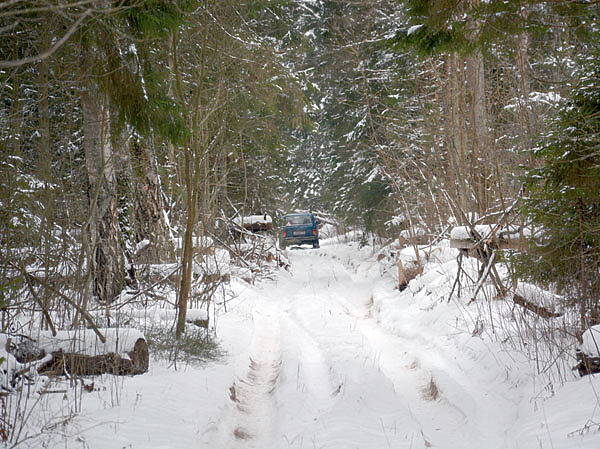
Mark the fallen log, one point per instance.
(72, 363)
(255, 223)
(588, 353)
(538, 310)
(81, 353)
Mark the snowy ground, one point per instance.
(330, 355)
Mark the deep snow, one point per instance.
(331, 355)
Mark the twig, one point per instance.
(483, 276)
(457, 280)
(84, 312)
(148, 289)
(51, 50)
(41, 304)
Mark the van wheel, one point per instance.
(316, 244)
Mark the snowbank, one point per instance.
(86, 342)
(591, 342)
(539, 296)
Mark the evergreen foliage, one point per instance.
(564, 197)
(372, 110)
(349, 80)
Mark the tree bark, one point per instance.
(455, 128)
(479, 130)
(149, 212)
(73, 363)
(107, 262)
(480, 139)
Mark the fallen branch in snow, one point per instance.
(537, 309)
(149, 288)
(405, 275)
(254, 223)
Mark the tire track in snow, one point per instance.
(312, 372)
(254, 412)
(357, 401)
(417, 359)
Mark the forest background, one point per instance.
(127, 124)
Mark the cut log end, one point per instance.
(140, 357)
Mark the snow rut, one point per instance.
(254, 412)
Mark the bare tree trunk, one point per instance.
(149, 212)
(107, 262)
(192, 157)
(455, 128)
(526, 115)
(187, 260)
(478, 119)
(479, 130)
(44, 168)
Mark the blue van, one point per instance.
(299, 228)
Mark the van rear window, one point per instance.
(298, 220)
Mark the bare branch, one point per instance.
(51, 50)
(53, 8)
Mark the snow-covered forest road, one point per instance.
(323, 373)
(329, 354)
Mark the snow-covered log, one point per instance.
(588, 354)
(255, 223)
(162, 316)
(493, 235)
(81, 352)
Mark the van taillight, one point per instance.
(284, 234)
(315, 231)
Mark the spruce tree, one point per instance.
(564, 198)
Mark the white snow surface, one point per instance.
(330, 355)
(413, 29)
(591, 341)
(141, 245)
(197, 242)
(464, 232)
(253, 219)
(157, 314)
(86, 342)
(217, 263)
(486, 230)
